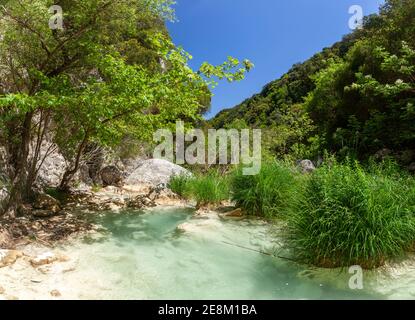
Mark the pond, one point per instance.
(145, 256)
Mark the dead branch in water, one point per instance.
(258, 251)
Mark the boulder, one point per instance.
(8, 257)
(155, 172)
(45, 202)
(52, 168)
(111, 176)
(411, 167)
(306, 166)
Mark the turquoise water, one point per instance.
(144, 256)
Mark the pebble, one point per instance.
(36, 280)
(55, 293)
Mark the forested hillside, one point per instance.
(354, 98)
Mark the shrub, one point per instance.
(348, 216)
(268, 194)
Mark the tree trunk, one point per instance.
(20, 191)
(69, 173)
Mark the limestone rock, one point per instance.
(306, 166)
(53, 167)
(47, 258)
(140, 202)
(161, 192)
(111, 176)
(155, 172)
(8, 257)
(45, 202)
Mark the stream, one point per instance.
(146, 256)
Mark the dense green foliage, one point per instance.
(267, 194)
(346, 216)
(354, 98)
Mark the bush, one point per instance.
(348, 216)
(268, 194)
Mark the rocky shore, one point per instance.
(29, 241)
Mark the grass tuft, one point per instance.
(268, 194)
(348, 216)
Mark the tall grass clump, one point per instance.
(206, 189)
(268, 194)
(179, 184)
(211, 188)
(348, 216)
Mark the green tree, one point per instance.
(112, 70)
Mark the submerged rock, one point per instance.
(47, 258)
(237, 213)
(55, 293)
(8, 257)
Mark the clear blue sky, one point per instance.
(273, 34)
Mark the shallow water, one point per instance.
(144, 256)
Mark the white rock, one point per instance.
(306, 166)
(154, 172)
